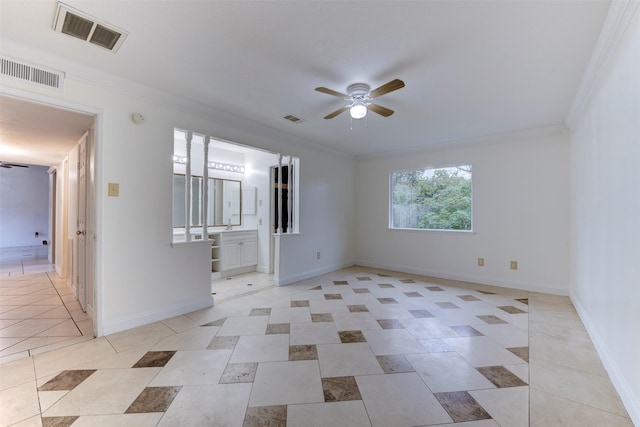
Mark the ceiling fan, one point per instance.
(359, 96)
(11, 165)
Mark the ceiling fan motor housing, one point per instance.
(358, 90)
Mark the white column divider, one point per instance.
(187, 189)
(205, 190)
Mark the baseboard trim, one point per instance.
(629, 400)
(168, 312)
(287, 280)
(523, 286)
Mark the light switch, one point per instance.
(114, 189)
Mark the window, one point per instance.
(432, 199)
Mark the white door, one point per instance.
(81, 230)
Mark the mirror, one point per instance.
(224, 200)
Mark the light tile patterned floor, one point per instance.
(38, 312)
(357, 347)
(239, 285)
(18, 261)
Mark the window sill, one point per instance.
(461, 232)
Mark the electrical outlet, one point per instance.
(514, 265)
(318, 255)
(480, 262)
(114, 189)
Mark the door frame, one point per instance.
(94, 211)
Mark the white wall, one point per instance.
(520, 212)
(140, 277)
(605, 267)
(257, 166)
(24, 206)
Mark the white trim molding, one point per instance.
(620, 14)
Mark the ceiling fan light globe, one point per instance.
(358, 111)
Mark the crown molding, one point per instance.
(620, 14)
(476, 142)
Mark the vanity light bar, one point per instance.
(226, 167)
(180, 159)
(213, 165)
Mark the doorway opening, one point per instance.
(62, 144)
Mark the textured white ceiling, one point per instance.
(471, 68)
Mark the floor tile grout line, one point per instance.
(65, 305)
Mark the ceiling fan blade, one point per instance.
(379, 109)
(12, 165)
(386, 88)
(335, 113)
(331, 92)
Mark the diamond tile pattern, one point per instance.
(376, 350)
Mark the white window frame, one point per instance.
(429, 171)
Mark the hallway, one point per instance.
(38, 311)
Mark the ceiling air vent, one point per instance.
(292, 118)
(36, 74)
(77, 24)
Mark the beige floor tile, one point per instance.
(281, 383)
(482, 351)
(29, 327)
(16, 373)
(193, 368)
(19, 403)
(9, 342)
(334, 414)
(429, 328)
(444, 372)
(70, 357)
(555, 351)
(193, 406)
(192, 339)
(180, 323)
(479, 423)
(48, 398)
(55, 313)
(339, 360)
(108, 391)
(399, 400)
(551, 410)
(31, 344)
(59, 344)
(508, 406)
(65, 329)
(253, 325)
(355, 321)
(135, 337)
(261, 348)
(35, 421)
(27, 311)
(314, 333)
(129, 420)
(580, 386)
(392, 341)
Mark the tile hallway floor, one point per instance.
(241, 284)
(38, 312)
(357, 347)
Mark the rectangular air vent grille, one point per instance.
(84, 27)
(32, 73)
(292, 118)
